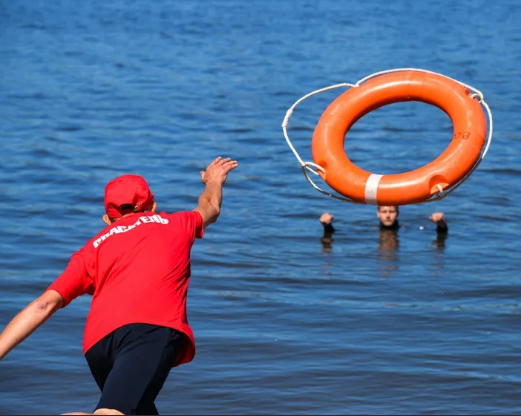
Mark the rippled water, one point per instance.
(284, 325)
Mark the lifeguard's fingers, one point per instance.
(230, 165)
(216, 160)
(224, 161)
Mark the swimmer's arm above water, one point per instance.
(326, 220)
(438, 218)
(28, 320)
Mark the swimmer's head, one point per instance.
(388, 215)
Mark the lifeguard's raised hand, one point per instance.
(218, 170)
(214, 178)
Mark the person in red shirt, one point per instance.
(137, 270)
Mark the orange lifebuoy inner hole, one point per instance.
(398, 137)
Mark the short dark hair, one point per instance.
(396, 207)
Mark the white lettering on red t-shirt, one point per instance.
(154, 219)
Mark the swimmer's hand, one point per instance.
(437, 217)
(326, 218)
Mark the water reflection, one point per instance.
(327, 242)
(388, 246)
(439, 243)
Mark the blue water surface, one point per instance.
(284, 325)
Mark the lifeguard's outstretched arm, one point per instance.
(28, 320)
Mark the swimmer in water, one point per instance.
(388, 223)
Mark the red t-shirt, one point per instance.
(138, 271)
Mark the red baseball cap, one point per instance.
(126, 194)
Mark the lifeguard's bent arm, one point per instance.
(210, 202)
(28, 320)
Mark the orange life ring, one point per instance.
(470, 130)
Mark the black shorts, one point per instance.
(131, 365)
